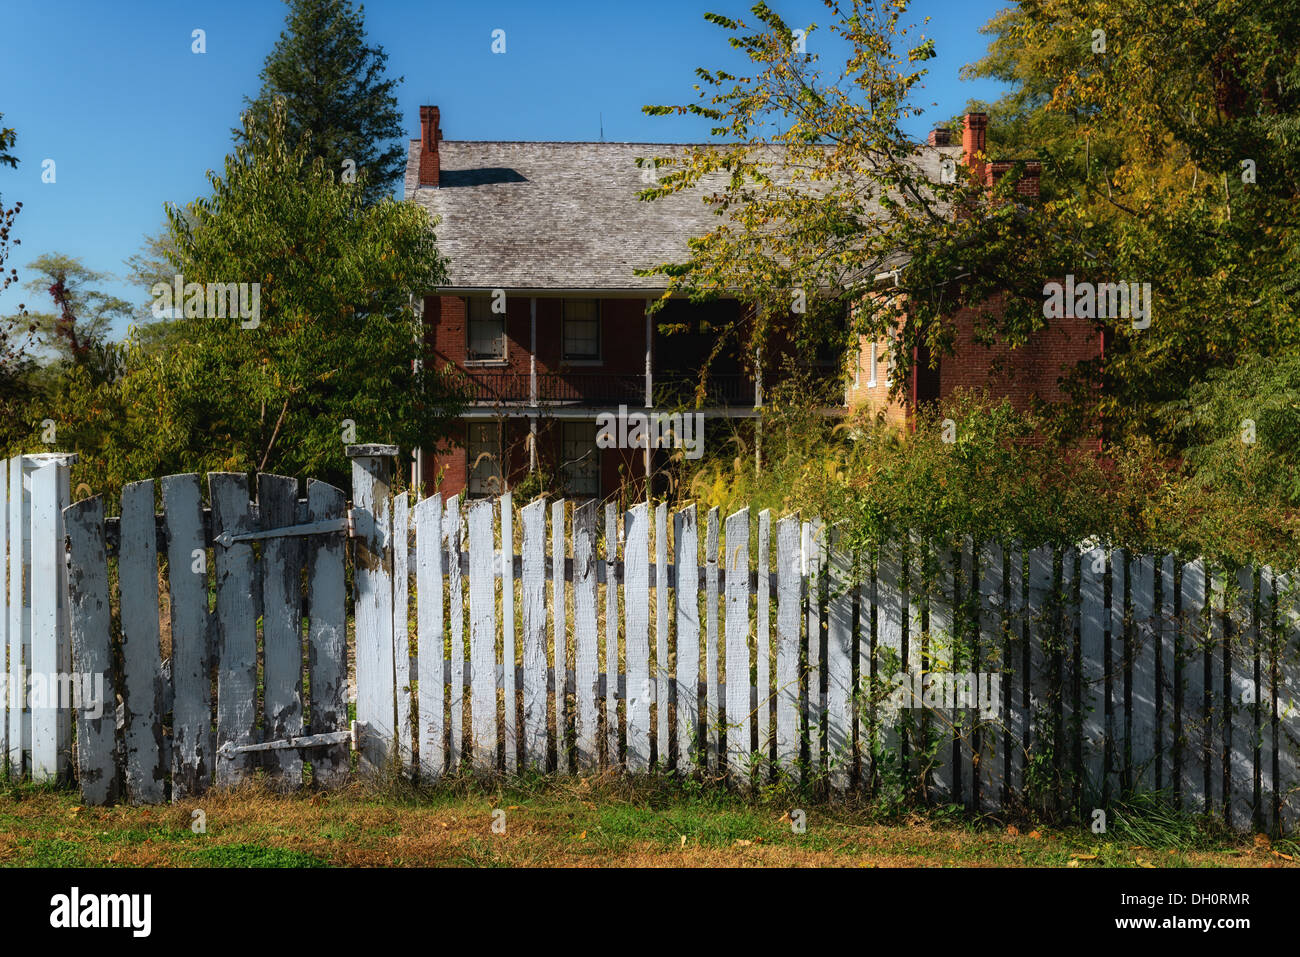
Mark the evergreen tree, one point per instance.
(335, 88)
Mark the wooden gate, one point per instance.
(215, 697)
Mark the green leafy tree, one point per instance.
(1171, 131)
(819, 193)
(336, 338)
(79, 332)
(336, 90)
(275, 378)
(16, 365)
(1144, 138)
(8, 139)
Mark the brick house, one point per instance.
(546, 318)
(1025, 375)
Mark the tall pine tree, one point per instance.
(335, 88)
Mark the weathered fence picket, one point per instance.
(533, 520)
(402, 630)
(686, 560)
(51, 744)
(373, 584)
(559, 638)
(451, 534)
(91, 627)
(992, 609)
(789, 568)
(193, 746)
(141, 660)
(510, 738)
(611, 637)
(736, 661)
(586, 662)
(636, 608)
(327, 651)
(482, 636)
(839, 665)
(429, 648)
(712, 724)
(281, 574)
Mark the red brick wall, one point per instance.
(1032, 371)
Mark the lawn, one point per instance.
(576, 824)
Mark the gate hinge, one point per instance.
(302, 741)
(226, 539)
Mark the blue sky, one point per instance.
(111, 91)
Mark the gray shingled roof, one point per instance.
(561, 216)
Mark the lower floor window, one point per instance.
(580, 459)
(484, 454)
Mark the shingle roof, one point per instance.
(561, 216)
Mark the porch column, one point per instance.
(532, 383)
(649, 389)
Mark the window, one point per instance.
(485, 330)
(483, 456)
(871, 374)
(582, 329)
(580, 460)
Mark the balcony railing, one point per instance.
(671, 389)
(491, 386)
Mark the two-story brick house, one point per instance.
(544, 313)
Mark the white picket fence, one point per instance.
(573, 637)
(34, 645)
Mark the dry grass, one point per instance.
(584, 823)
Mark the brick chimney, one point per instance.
(941, 136)
(972, 142)
(430, 134)
(1028, 185)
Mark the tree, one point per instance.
(332, 336)
(1172, 130)
(336, 90)
(1145, 142)
(819, 192)
(8, 139)
(78, 334)
(16, 330)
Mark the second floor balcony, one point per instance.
(669, 389)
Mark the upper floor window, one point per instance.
(582, 329)
(485, 330)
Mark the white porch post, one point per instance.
(532, 383)
(649, 390)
